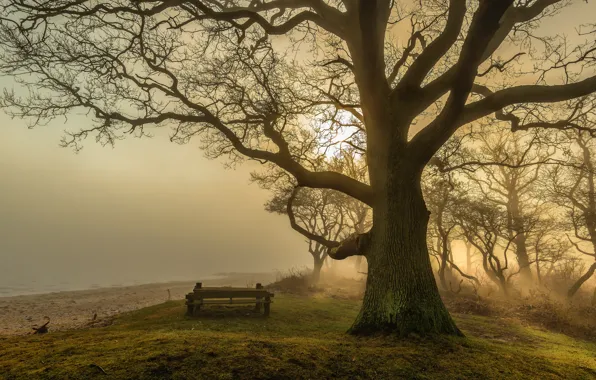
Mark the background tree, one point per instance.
(442, 194)
(485, 226)
(469, 255)
(508, 168)
(350, 161)
(573, 187)
(317, 214)
(323, 216)
(550, 247)
(441, 227)
(213, 70)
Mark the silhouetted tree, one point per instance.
(213, 70)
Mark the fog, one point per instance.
(148, 210)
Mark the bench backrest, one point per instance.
(231, 293)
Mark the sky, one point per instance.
(147, 210)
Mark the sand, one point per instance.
(77, 309)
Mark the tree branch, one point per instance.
(309, 235)
(496, 101)
(420, 68)
(484, 25)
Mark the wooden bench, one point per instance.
(228, 296)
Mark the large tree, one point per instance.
(217, 70)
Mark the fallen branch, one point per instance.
(93, 365)
(42, 329)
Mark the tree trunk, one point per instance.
(516, 225)
(442, 276)
(358, 263)
(523, 259)
(538, 273)
(468, 257)
(401, 293)
(575, 287)
(316, 272)
(445, 275)
(503, 285)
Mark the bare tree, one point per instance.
(508, 168)
(213, 69)
(549, 246)
(485, 226)
(350, 162)
(440, 193)
(317, 214)
(573, 187)
(323, 216)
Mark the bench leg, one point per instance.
(267, 306)
(258, 305)
(191, 309)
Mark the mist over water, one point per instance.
(32, 279)
(146, 211)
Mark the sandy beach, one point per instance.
(76, 309)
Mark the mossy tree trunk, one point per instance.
(401, 293)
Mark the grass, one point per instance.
(303, 338)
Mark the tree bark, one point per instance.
(401, 294)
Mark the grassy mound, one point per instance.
(303, 338)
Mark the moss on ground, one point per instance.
(303, 338)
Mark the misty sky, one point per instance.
(148, 210)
